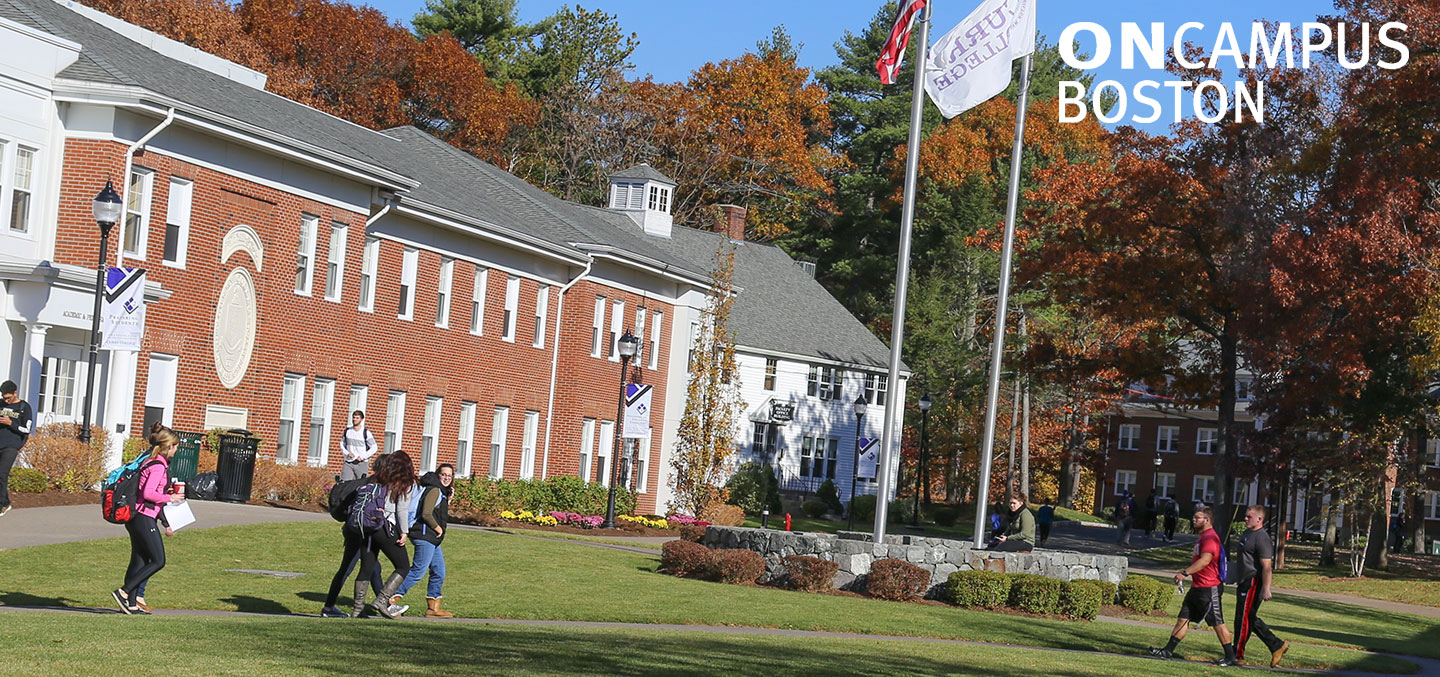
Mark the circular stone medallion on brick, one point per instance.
(235, 318)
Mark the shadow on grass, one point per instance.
(1363, 628)
(257, 605)
(26, 599)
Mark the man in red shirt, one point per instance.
(1203, 600)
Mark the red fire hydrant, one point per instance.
(787, 521)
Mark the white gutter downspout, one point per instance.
(554, 365)
(125, 182)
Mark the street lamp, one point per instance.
(922, 474)
(1155, 475)
(628, 345)
(860, 405)
(107, 208)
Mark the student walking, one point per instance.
(1150, 514)
(15, 422)
(1253, 562)
(357, 446)
(429, 518)
(1202, 602)
(1172, 516)
(1124, 517)
(381, 513)
(1043, 519)
(147, 550)
(349, 559)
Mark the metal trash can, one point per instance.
(236, 465)
(186, 461)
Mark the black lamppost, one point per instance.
(1155, 475)
(860, 405)
(628, 345)
(922, 474)
(107, 209)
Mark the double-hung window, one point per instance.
(442, 304)
(322, 402)
(394, 420)
(1129, 437)
(1124, 481)
(1432, 505)
(305, 257)
(1203, 489)
(430, 435)
(825, 383)
(61, 381)
(527, 445)
(292, 398)
(1241, 493)
(1167, 439)
(656, 319)
(876, 389)
(477, 303)
(1205, 441)
(499, 429)
(617, 317)
(369, 262)
(602, 459)
(1432, 453)
(512, 306)
(542, 309)
(467, 439)
(177, 222)
(409, 266)
(587, 447)
(772, 365)
(137, 211)
(359, 400)
(335, 261)
(1165, 484)
(22, 187)
(641, 482)
(160, 389)
(599, 327)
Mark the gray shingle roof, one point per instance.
(643, 171)
(781, 307)
(110, 58)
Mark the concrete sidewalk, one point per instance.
(23, 527)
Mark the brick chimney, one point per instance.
(731, 222)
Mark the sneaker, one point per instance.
(1277, 654)
(1159, 652)
(332, 612)
(4, 510)
(398, 610)
(1227, 662)
(124, 603)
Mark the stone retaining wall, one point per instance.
(856, 551)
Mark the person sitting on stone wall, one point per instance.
(1020, 535)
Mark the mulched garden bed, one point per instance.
(51, 497)
(623, 529)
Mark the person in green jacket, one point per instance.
(1020, 535)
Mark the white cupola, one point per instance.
(645, 195)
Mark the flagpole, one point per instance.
(902, 280)
(997, 345)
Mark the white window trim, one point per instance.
(162, 394)
(147, 197)
(1432, 505)
(542, 312)
(397, 396)
(297, 421)
(335, 257)
(1134, 440)
(1128, 486)
(409, 271)
(1200, 441)
(325, 435)
(1159, 483)
(642, 463)
(512, 307)
(657, 318)
(604, 451)
(1207, 496)
(499, 432)
(527, 445)
(1174, 439)
(477, 301)
(430, 434)
(442, 301)
(617, 319)
(178, 209)
(309, 233)
(28, 190)
(599, 328)
(369, 264)
(359, 401)
(587, 448)
(467, 437)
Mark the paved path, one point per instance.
(67, 523)
(1101, 540)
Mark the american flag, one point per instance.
(894, 50)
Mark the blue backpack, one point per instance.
(1224, 565)
(367, 509)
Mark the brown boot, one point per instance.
(1277, 654)
(433, 609)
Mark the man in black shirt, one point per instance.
(1252, 574)
(14, 430)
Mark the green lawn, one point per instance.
(502, 576)
(1413, 579)
(45, 644)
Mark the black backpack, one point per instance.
(120, 495)
(342, 495)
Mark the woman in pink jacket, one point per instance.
(147, 551)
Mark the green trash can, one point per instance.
(186, 462)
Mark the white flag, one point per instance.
(122, 315)
(972, 62)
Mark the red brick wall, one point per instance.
(318, 338)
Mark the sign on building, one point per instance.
(637, 410)
(122, 314)
(781, 412)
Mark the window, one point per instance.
(1166, 438)
(430, 435)
(1203, 490)
(442, 302)
(409, 266)
(825, 382)
(599, 326)
(1432, 505)
(617, 316)
(876, 387)
(587, 447)
(60, 380)
(467, 439)
(335, 261)
(477, 303)
(369, 260)
(628, 196)
(322, 402)
(1129, 437)
(1205, 441)
(1124, 481)
(177, 222)
(694, 343)
(657, 318)
(660, 198)
(807, 456)
(641, 483)
(1165, 484)
(305, 258)
(394, 420)
(291, 399)
(527, 445)
(757, 439)
(22, 188)
(640, 336)
(1432, 453)
(1242, 493)
(137, 211)
(542, 309)
(499, 428)
(1242, 390)
(602, 459)
(512, 304)
(359, 400)
(771, 366)
(160, 390)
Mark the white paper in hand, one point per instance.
(179, 515)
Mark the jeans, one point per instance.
(427, 556)
(7, 459)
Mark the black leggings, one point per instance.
(380, 542)
(354, 543)
(147, 552)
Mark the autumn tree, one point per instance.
(705, 441)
